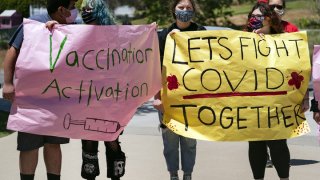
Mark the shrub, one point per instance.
(309, 23)
(3, 45)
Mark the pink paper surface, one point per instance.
(316, 72)
(89, 93)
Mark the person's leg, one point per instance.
(28, 145)
(258, 158)
(116, 160)
(52, 156)
(280, 156)
(28, 161)
(52, 159)
(171, 151)
(90, 162)
(188, 150)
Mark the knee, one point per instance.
(33, 152)
(52, 147)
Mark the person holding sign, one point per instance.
(279, 7)
(263, 19)
(182, 11)
(64, 12)
(97, 13)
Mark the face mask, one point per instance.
(72, 18)
(184, 16)
(280, 12)
(255, 23)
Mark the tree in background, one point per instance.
(211, 12)
(318, 6)
(238, 2)
(22, 6)
(214, 12)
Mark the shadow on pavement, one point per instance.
(301, 162)
(146, 108)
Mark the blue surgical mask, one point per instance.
(184, 16)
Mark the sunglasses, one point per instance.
(276, 6)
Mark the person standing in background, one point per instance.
(182, 11)
(64, 12)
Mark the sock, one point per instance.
(26, 176)
(53, 176)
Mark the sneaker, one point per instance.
(174, 178)
(269, 164)
(174, 175)
(186, 177)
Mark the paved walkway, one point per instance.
(142, 144)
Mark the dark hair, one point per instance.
(284, 3)
(174, 4)
(274, 19)
(53, 5)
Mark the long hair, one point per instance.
(272, 17)
(100, 11)
(174, 4)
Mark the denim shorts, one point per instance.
(28, 142)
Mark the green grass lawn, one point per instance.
(3, 124)
(4, 133)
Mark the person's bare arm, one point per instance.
(9, 67)
(316, 117)
(157, 103)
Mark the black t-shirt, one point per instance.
(163, 35)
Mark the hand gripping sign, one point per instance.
(83, 81)
(235, 86)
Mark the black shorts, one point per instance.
(28, 142)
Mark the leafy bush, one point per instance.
(3, 45)
(309, 23)
(313, 39)
(3, 120)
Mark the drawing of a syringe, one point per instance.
(92, 124)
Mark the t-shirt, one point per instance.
(289, 27)
(17, 38)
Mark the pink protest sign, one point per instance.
(316, 72)
(83, 81)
